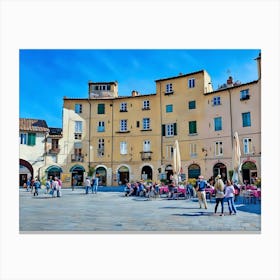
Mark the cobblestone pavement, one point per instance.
(112, 212)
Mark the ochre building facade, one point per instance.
(131, 138)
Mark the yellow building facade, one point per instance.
(131, 138)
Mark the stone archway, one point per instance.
(25, 171)
(249, 172)
(102, 173)
(77, 175)
(147, 173)
(123, 175)
(220, 169)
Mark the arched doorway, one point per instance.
(169, 173)
(220, 169)
(249, 172)
(123, 175)
(77, 175)
(147, 173)
(53, 171)
(25, 171)
(193, 171)
(101, 171)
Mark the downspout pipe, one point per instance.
(89, 128)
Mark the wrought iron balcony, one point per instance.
(54, 150)
(146, 155)
(75, 157)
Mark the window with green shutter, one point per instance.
(31, 141)
(192, 104)
(192, 127)
(246, 119)
(101, 109)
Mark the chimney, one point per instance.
(134, 93)
(229, 80)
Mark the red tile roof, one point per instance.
(33, 125)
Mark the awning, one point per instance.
(54, 168)
(77, 168)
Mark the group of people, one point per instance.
(223, 193)
(53, 186)
(141, 188)
(92, 184)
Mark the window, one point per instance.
(23, 138)
(218, 148)
(123, 107)
(169, 152)
(248, 146)
(78, 130)
(246, 119)
(146, 105)
(218, 123)
(31, 139)
(216, 100)
(54, 144)
(102, 87)
(137, 124)
(146, 123)
(193, 152)
(100, 151)
(192, 127)
(123, 125)
(244, 94)
(101, 126)
(101, 109)
(169, 108)
(123, 148)
(146, 146)
(191, 83)
(169, 129)
(78, 108)
(169, 88)
(78, 127)
(192, 104)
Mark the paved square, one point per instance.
(111, 212)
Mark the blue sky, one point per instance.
(46, 76)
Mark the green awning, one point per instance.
(54, 168)
(77, 168)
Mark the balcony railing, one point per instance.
(75, 157)
(54, 150)
(146, 155)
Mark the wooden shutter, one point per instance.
(175, 128)
(163, 129)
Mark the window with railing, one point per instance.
(101, 126)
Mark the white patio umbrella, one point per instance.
(236, 155)
(176, 162)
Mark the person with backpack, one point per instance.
(201, 185)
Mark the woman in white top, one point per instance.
(229, 197)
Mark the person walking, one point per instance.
(219, 188)
(55, 187)
(200, 189)
(87, 184)
(28, 183)
(48, 186)
(95, 184)
(37, 185)
(229, 197)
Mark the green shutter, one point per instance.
(163, 129)
(31, 141)
(101, 109)
(175, 128)
(192, 127)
